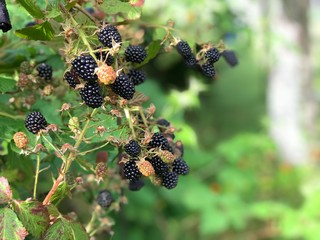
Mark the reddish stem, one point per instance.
(46, 201)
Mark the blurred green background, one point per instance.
(241, 185)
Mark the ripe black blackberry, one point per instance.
(104, 198)
(91, 94)
(163, 124)
(180, 167)
(136, 76)
(170, 180)
(35, 121)
(85, 66)
(184, 49)
(136, 185)
(123, 87)
(212, 55)
(191, 61)
(44, 71)
(104, 57)
(131, 171)
(208, 69)
(132, 148)
(135, 54)
(160, 167)
(158, 140)
(231, 57)
(106, 35)
(71, 78)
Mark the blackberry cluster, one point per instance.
(108, 34)
(85, 66)
(135, 54)
(71, 78)
(185, 51)
(104, 57)
(123, 87)
(91, 94)
(131, 171)
(133, 148)
(212, 55)
(35, 121)
(44, 71)
(136, 76)
(104, 198)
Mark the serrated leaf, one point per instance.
(10, 226)
(32, 8)
(152, 51)
(33, 215)
(112, 7)
(5, 191)
(66, 230)
(53, 211)
(43, 32)
(7, 84)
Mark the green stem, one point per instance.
(93, 149)
(54, 148)
(36, 177)
(128, 116)
(10, 116)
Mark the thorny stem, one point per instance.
(36, 177)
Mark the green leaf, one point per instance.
(33, 215)
(43, 32)
(62, 191)
(33, 9)
(10, 226)
(152, 51)
(7, 84)
(85, 164)
(66, 230)
(112, 7)
(5, 191)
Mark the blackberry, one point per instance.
(180, 167)
(163, 124)
(158, 140)
(131, 171)
(25, 67)
(91, 94)
(123, 87)
(35, 121)
(212, 55)
(169, 180)
(106, 35)
(104, 57)
(132, 148)
(71, 78)
(85, 66)
(136, 185)
(135, 54)
(160, 167)
(44, 71)
(104, 198)
(191, 61)
(208, 69)
(137, 76)
(230, 57)
(184, 49)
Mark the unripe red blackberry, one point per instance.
(44, 71)
(85, 66)
(146, 168)
(106, 35)
(21, 140)
(104, 198)
(35, 121)
(136, 185)
(184, 49)
(160, 167)
(208, 69)
(91, 94)
(212, 55)
(180, 167)
(71, 78)
(23, 80)
(133, 148)
(169, 180)
(137, 76)
(135, 54)
(158, 140)
(123, 87)
(103, 56)
(131, 171)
